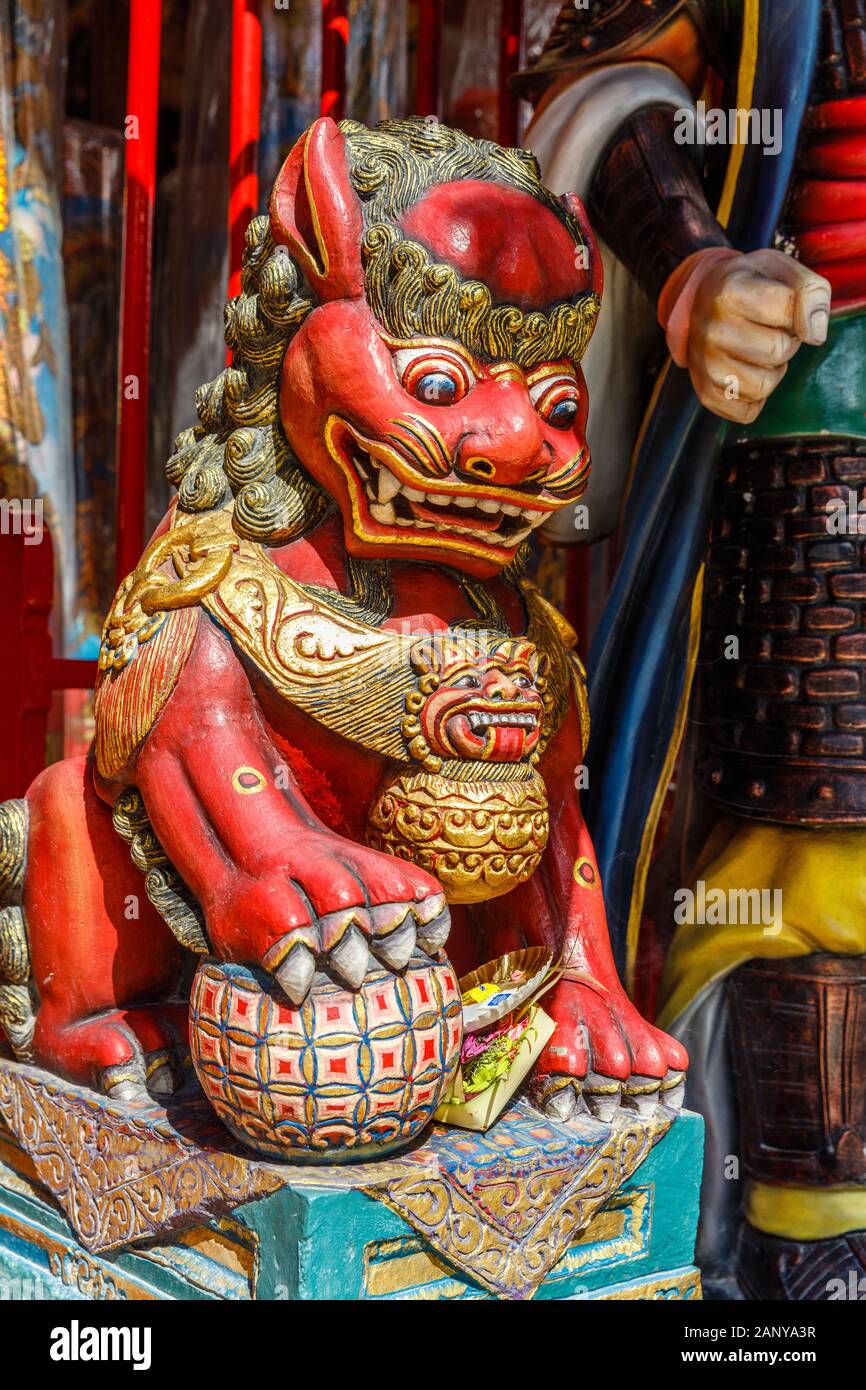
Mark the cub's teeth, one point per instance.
(438, 500)
(382, 512)
(509, 510)
(412, 494)
(389, 486)
(488, 505)
(534, 517)
(463, 501)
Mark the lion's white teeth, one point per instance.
(383, 487)
(383, 513)
(389, 486)
(507, 719)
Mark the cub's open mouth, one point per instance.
(385, 488)
(511, 719)
(504, 734)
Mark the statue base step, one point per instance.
(304, 1241)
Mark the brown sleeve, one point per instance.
(647, 202)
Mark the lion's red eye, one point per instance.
(556, 398)
(436, 388)
(434, 377)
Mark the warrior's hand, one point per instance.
(735, 321)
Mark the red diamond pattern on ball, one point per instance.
(346, 1075)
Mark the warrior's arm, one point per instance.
(646, 198)
(647, 201)
(729, 318)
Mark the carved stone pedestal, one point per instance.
(100, 1200)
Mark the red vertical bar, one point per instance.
(142, 106)
(510, 49)
(335, 41)
(244, 129)
(428, 59)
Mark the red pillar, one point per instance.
(244, 130)
(142, 106)
(510, 50)
(335, 42)
(428, 59)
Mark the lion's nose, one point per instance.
(502, 687)
(511, 452)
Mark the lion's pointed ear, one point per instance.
(316, 214)
(594, 266)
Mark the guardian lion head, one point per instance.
(406, 347)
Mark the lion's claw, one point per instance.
(641, 1094)
(558, 1097)
(603, 1095)
(395, 949)
(336, 926)
(603, 1055)
(672, 1091)
(432, 935)
(296, 973)
(351, 957)
(344, 941)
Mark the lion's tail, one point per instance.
(17, 1015)
(14, 818)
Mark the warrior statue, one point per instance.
(721, 149)
(333, 715)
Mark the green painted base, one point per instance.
(319, 1243)
(822, 391)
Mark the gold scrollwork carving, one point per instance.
(201, 554)
(480, 839)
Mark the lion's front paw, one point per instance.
(604, 1055)
(336, 903)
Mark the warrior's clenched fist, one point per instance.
(735, 321)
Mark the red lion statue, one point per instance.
(332, 715)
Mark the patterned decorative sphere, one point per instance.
(348, 1075)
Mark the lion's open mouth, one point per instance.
(393, 503)
(396, 496)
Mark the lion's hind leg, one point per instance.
(99, 952)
